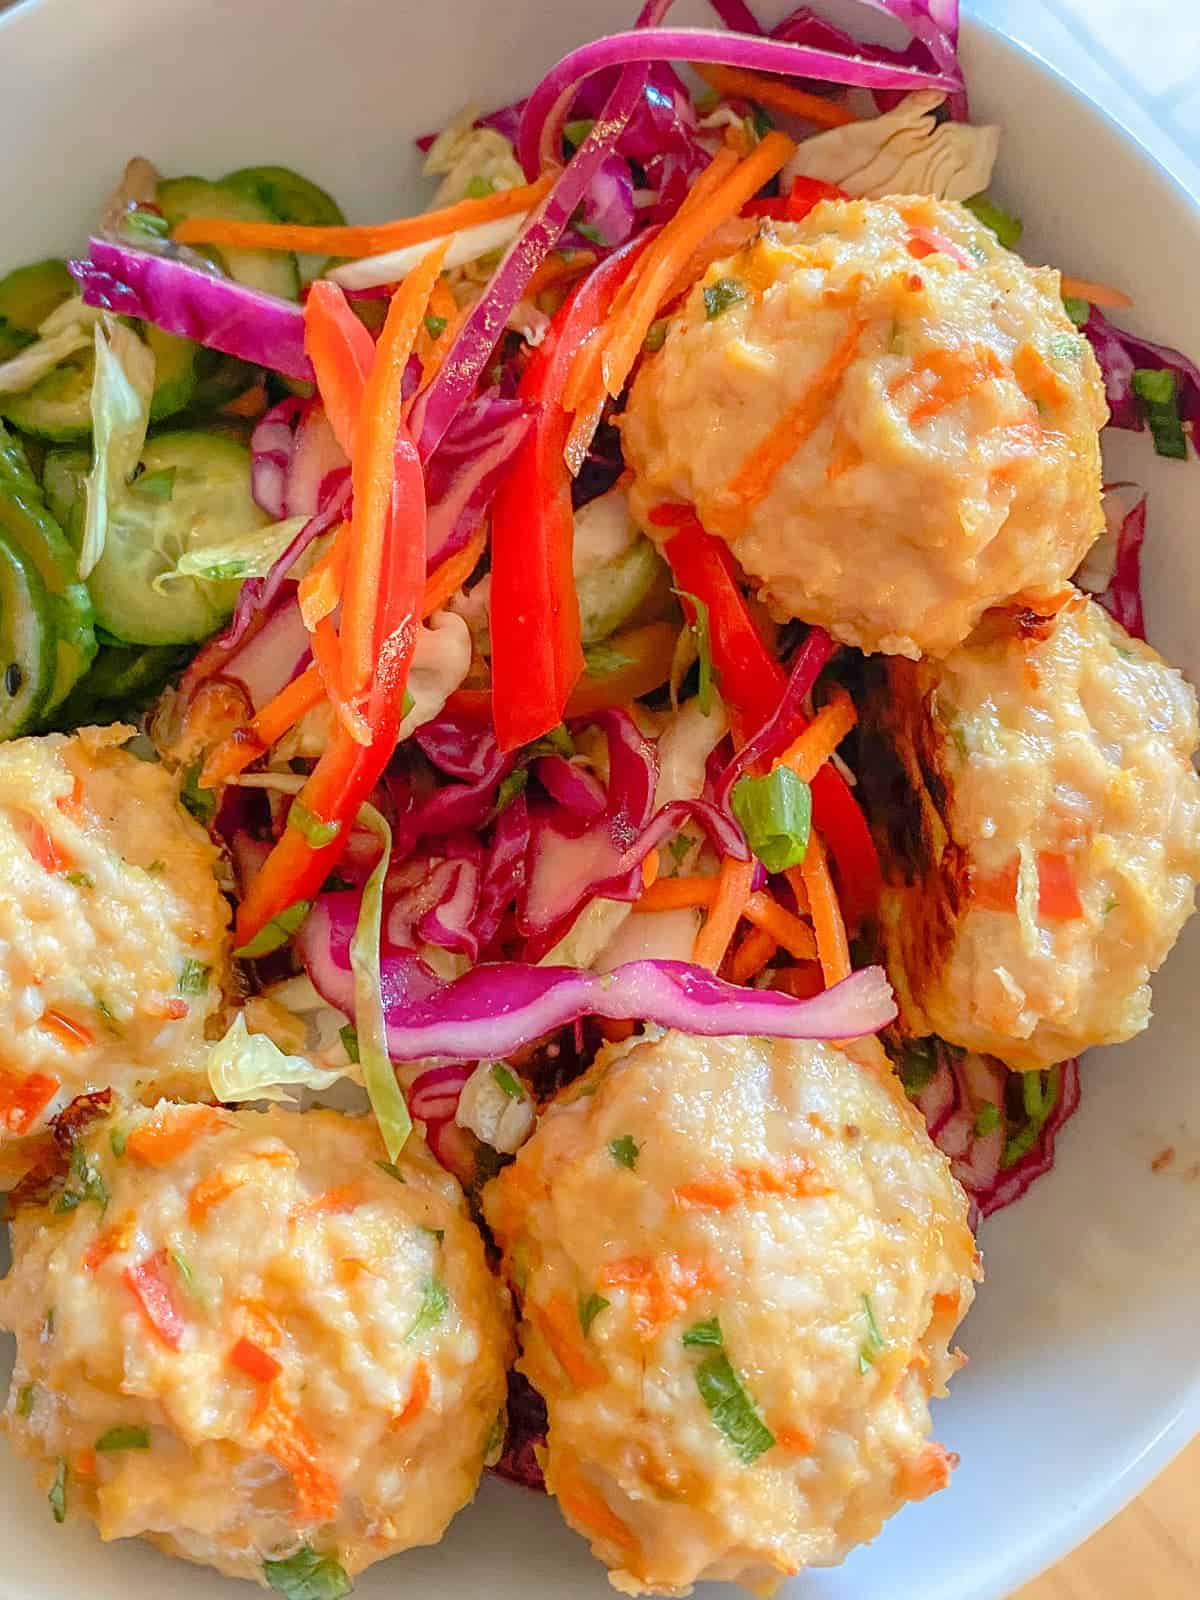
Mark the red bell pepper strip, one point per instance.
(537, 654)
(342, 353)
(254, 1361)
(794, 207)
(155, 1298)
(23, 1099)
(752, 683)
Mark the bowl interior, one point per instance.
(1084, 1374)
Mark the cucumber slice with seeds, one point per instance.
(292, 198)
(59, 407)
(26, 643)
(272, 271)
(29, 294)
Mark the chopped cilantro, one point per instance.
(349, 1037)
(625, 1151)
(732, 1409)
(508, 791)
(704, 1333)
(81, 880)
(435, 327)
(918, 1066)
(58, 1492)
(308, 1575)
(202, 803)
(435, 1298)
(679, 847)
(719, 296)
(1078, 310)
(504, 1078)
(84, 1182)
(698, 627)
(193, 978)
(124, 1438)
(873, 1344)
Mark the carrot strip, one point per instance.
(160, 1142)
(291, 1444)
(332, 1202)
(1058, 896)
(85, 1463)
(327, 653)
(661, 1288)
(210, 1191)
(794, 1439)
(786, 929)
(113, 1239)
(255, 738)
(558, 1323)
(738, 83)
(373, 474)
(1100, 294)
(320, 588)
(733, 890)
(807, 754)
(556, 269)
(418, 1396)
(752, 955)
(796, 1179)
(342, 353)
(371, 239)
(754, 477)
(449, 578)
(1038, 378)
(833, 949)
(651, 867)
(254, 1361)
(23, 1099)
(67, 1031)
(677, 894)
(588, 1508)
(51, 857)
(672, 248)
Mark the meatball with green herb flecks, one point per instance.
(740, 1263)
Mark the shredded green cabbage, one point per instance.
(121, 391)
(250, 556)
(250, 1066)
(379, 1078)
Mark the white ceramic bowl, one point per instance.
(1085, 1374)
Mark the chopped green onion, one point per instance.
(508, 791)
(276, 933)
(435, 327)
(315, 829)
(124, 1437)
(435, 1299)
(81, 880)
(202, 803)
(719, 296)
(184, 1268)
(590, 231)
(1158, 391)
(1078, 310)
(84, 1182)
(193, 977)
(507, 1082)
(602, 660)
(58, 1492)
(699, 630)
(145, 224)
(118, 1139)
(379, 1077)
(392, 1170)
(589, 1309)
(680, 846)
(624, 1151)
(987, 1120)
(158, 485)
(25, 1398)
(1007, 228)
(576, 132)
(479, 188)
(656, 335)
(874, 1342)
(307, 1576)
(732, 1409)
(1038, 1099)
(558, 742)
(775, 812)
(349, 1040)
(704, 1333)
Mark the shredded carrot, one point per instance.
(794, 1439)
(668, 253)
(1038, 378)
(262, 1327)
(617, 1029)
(115, 1238)
(958, 373)
(85, 1463)
(752, 955)
(418, 1396)
(320, 588)
(588, 1508)
(796, 1179)
(254, 1361)
(289, 1441)
(753, 479)
(446, 580)
(724, 241)
(1100, 294)
(738, 83)
(843, 454)
(801, 981)
(75, 1035)
(255, 738)
(662, 1288)
(650, 869)
(369, 240)
(51, 857)
(23, 1099)
(71, 805)
(252, 402)
(211, 1190)
(558, 268)
(929, 1472)
(833, 949)
(807, 754)
(785, 928)
(327, 654)
(331, 1203)
(729, 902)
(558, 1323)
(382, 400)
(675, 894)
(164, 1140)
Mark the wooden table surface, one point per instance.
(1150, 1552)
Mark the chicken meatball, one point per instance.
(741, 1262)
(1039, 817)
(247, 1338)
(113, 949)
(888, 416)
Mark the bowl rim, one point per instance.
(1125, 1482)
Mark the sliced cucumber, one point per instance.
(30, 294)
(26, 643)
(610, 595)
(219, 378)
(273, 271)
(122, 682)
(291, 198)
(28, 527)
(209, 503)
(174, 372)
(65, 468)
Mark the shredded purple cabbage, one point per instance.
(1120, 353)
